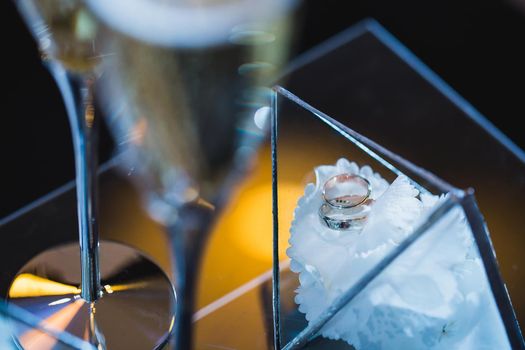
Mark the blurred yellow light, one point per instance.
(29, 285)
(250, 223)
(123, 287)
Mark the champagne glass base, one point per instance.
(135, 310)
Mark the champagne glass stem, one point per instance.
(188, 238)
(77, 93)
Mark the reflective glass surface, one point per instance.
(38, 332)
(396, 283)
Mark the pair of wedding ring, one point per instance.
(346, 202)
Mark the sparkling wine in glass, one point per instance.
(111, 295)
(185, 92)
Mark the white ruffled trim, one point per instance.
(428, 298)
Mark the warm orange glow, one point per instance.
(123, 287)
(28, 285)
(250, 224)
(138, 131)
(36, 339)
(90, 115)
(137, 230)
(240, 245)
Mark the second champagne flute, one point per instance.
(186, 99)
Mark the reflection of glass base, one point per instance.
(135, 312)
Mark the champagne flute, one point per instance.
(182, 87)
(128, 299)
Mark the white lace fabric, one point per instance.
(433, 296)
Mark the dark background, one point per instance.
(477, 46)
